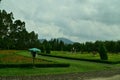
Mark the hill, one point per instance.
(65, 40)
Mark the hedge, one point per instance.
(35, 65)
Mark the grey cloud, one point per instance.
(78, 20)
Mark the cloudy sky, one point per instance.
(78, 20)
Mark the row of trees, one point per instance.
(57, 45)
(111, 46)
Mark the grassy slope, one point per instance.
(76, 66)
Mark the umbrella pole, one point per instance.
(33, 61)
(33, 58)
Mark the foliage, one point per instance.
(103, 52)
(46, 47)
(28, 65)
(13, 34)
(56, 45)
(75, 66)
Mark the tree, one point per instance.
(48, 48)
(76, 47)
(61, 45)
(103, 52)
(118, 46)
(96, 45)
(6, 21)
(89, 47)
(13, 34)
(33, 39)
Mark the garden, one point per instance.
(19, 63)
(85, 56)
(10, 59)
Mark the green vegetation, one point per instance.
(75, 66)
(85, 55)
(13, 35)
(9, 59)
(103, 52)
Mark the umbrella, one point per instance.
(34, 50)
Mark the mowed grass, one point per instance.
(111, 56)
(75, 66)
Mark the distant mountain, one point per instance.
(65, 40)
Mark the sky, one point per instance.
(77, 20)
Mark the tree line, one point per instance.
(57, 45)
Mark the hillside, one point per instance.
(65, 40)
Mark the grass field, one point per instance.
(75, 65)
(10, 57)
(85, 55)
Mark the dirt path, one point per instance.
(116, 77)
(101, 75)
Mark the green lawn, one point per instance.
(85, 55)
(75, 66)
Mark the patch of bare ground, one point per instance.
(116, 77)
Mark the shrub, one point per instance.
(35, 65)
(103, 52)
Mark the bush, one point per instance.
(103, 52)
(35, 65)
(48, 51)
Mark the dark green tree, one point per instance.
(118, 46)
(48, 48)
(103, 52)
(33, 39)
(77, 47)
(13, 34)
(18, 34)
(89, 46)
(61, 45)
(6, 21)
